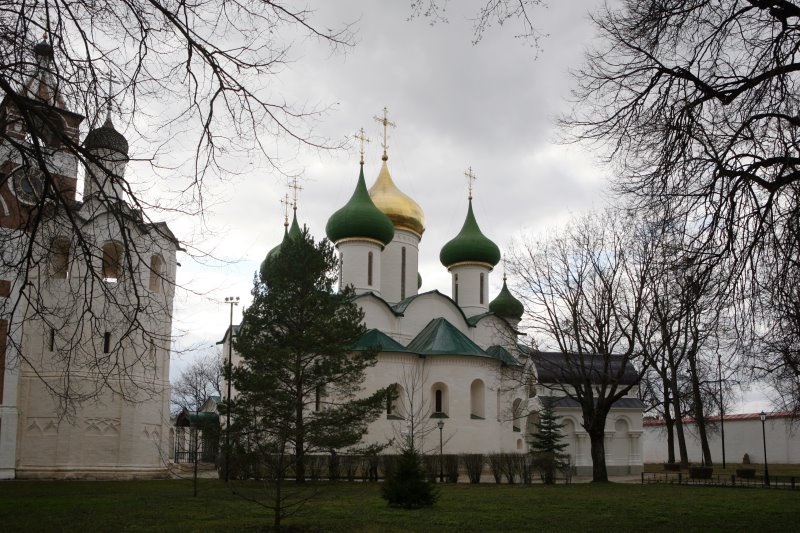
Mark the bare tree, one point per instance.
(198, 382)
(585, 289)
(174, 74)
(696, 104)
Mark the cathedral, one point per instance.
(458, 363)
(86, 290)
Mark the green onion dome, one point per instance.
(470, 245)
(290, 233)
(360, 219)
(505, 305)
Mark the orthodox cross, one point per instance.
(295, 189)
(471, 177)
(285, 201)
(363, 138)
(386, 123)
(110, 78)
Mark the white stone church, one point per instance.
(85, 338)
(454, 359)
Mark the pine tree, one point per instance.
(408, 485)
(298, 385)
(546, 446)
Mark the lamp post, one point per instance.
(763, 417)
(230, 300)
(721, 409)
(440, 425)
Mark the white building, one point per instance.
(454, 359)
(85, 338)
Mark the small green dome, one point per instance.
(290, 233)
(505, 305)
(470, 245)
(360, 218)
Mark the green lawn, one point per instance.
(169, 506)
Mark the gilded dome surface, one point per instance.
(404, 212)
(359, 218)
(470, 245)
(505, 305)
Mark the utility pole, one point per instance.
(231, 300)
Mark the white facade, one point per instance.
(743, 435)
(85, 320)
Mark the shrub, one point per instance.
(407, 486)
(746, 473)
(496, 466)
(473, 464)
(451, 468)
(700, 472)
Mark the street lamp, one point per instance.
(763, 417)
(440, 425)
(230, 300)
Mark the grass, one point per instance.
(169, 506)
(730, 468)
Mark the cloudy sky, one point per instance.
(490, 106)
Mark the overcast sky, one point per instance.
(490, 106)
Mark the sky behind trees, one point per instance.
(490, 106)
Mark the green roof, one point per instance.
(505, 305)
(470, 245)
(440, 337)
(375, 337)
(498, 352)
(359, 218)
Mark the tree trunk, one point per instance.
(676, 402)
(299, 445)
(699, 417)
(597, 440)
(278, 502)
(669, 423)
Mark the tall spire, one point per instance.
(471, 177)
(361, 136)
(386, 123)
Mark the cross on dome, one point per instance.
(295, 189)
(471, 177)
(285, 201)
(362, 137)
(386, 123)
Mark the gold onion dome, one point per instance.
(359, 218)
(404, 212)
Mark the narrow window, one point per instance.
(403, 273)
(389, 402)
(106, 342)
(455, 288)
(51, 342)
(156, 273)
(112, 261)
(438, 400)
(318, 398)
(59, 258)
(341, 270)
(369, 269)
(481, 288)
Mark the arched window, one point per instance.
(319, 394)
(394, 403)
(455, 287)
(403, 273)
(516, 411)
(481, 287)
(112, 261)
(477, 400)
(440, 400)
(106, 342)
(369, 269)
(520, 445)
(59, 258)
(156, 273)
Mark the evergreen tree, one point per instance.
(408, 485)
(298, 385)
(546, 446)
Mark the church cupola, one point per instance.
(400, 258)
(506, 306)
(469, 257)
(108, 157)
(293, 232)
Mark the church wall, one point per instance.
(467, 290)
(462, 433)
(425, 308)
(491, 331)
(355, 261)
(392, 287)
